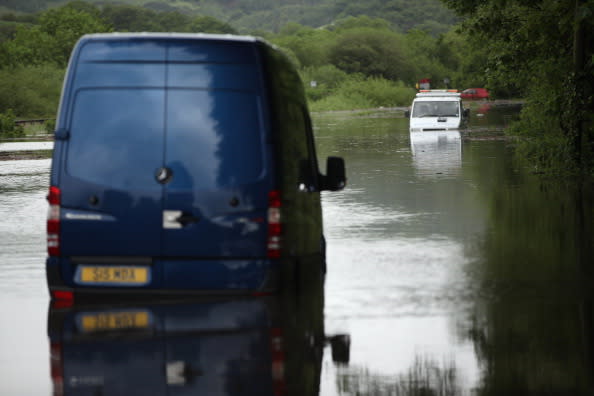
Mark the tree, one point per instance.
(31, 91)
(375, 53)
(129, 18)
(7, 126)
(52, 40)
(208, 24)
(66, 25)
(526, 42)
(310, 46)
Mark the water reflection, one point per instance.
(475, 284)
(424, 377)
(396, 260)
(436, 153)
(267, 345)
(532, 323)
(25, 146)
(478, 283)
(494, 116)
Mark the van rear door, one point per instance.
(111, 202)
(215, 205)
(167, 151)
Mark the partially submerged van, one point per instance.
(437, 110)
(183, 163)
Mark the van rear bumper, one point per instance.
(173, 278)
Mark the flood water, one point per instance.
(451, 269)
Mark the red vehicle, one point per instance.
(475, 93)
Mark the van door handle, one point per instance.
(175, 219)
(186, 219)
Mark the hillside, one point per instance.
(272, 15)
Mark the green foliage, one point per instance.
(363, 21)
(358, 93)
(51, 41)
(375, 53)
(7, 30)
(321, 82)
(465, 58)
(125, 18)
(310, 46)
(403, 14)
(25, 6)
(129, 18)
(207, 24)
(31, 91)
(272, 15)
(326, 76)
(421, 54)
(7, 125)
(49, 125)
(379, 91)
(357, 61)
(525, 44)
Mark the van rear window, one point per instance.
(116, 137)
(214, 138)
(208, 138)
(436, 109)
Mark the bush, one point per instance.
(49, 126)
(380, 92)
(321, 82)
(341, 102)
(358, 93)
(7, 126)
(31, 91)
(328, 76)
(372, 53)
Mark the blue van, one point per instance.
(183, 163)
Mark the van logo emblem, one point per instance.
(163, 175)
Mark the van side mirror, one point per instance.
(341, 348)
(466, 113)
(406, 113)
(335, 178)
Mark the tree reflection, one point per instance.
(532, 325)
(425, 377)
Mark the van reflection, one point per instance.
(264, 345)
(436, 152)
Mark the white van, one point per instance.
(437, 110)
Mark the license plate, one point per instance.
(121, 320)
(113, 275)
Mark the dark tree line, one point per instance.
(356, 62)
(272, 15)
(544, 50)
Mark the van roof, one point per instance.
(447, 93)
(165, 35)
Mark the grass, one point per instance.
(364, 94)
(36, 130)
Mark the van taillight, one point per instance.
(57, 372)
(278, 361)
(62, 299)
(274, 224)
(53, 222)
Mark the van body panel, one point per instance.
(297, 178)
(169, 147)
(249, 274)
